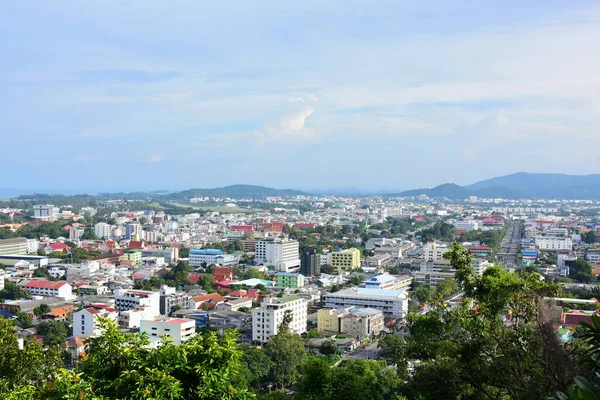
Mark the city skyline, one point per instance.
(140, 96)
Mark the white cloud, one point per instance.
(296, 121)
(294, 99)
(154, 159)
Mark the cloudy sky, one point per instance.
(148, 94)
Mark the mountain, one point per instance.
(449, 190)
(521, 185)
(235, 192)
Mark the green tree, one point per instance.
(581, 271)
(184, 252)
(286, 351)
(329, 347)
(13, 292)
(54, 332)
(256, 367)
(328, 269)
(23, 320)
(42, 309)
(447, 287)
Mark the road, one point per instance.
(510, 245)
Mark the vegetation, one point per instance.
(581, 271)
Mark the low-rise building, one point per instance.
(345, 260)
(133, 255)
(171, 300)
(44, 287)
(200, 257)
(17, 246)
(178, 330)
(289, 280)
(85, 321)
(393, 303)
(353, 321)
(387, 281)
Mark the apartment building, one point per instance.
(267, 318)
(178, 330)
(387, 281)
(102, 230)
(45, 211)
(353, 321)
(170, 300)
(434, 251)
(198, 257)
(393, 303)
(289, 279)
(14, 246)
(553, 243)
(310, 262)
(130, 299)
(133, 255)
(283, 255)
(433, 272)
(467, 225)
(345, 260)
(85, 321)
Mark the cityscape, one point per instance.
(304, 200)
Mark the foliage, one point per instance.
(256, 367)
(328, 269)
(581, 271)
(329, 347)
(23, 320)
(41, 310)
(440, 230)
(54, 332)
(447, 287)
(13, 292)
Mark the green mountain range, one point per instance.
(521, 185)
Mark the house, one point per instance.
(76, 346)
(211, 299)
(61, 247)
(234, 304)
(222, 274)
(59, 313)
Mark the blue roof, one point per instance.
(288, 274)
(207, 252)
(384, 278)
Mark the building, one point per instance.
(102, 230)
(387, 281)
(345, 260)
(85, 321)
(553, 243)
(44, 287)
(1, 279)
(467, 225)
(289, 279)
(17, 246)
(134, 255)
(593, 255)
(267, 318)
(133, 231)
(393, 303)
(481, 249)
(170, 254)
(130, 299)
(564, 262)
(200, 257)
(178, 330)
(283, 255)
(433, 272)
(434, 251)
(353, 321)
(171, 300)
(45, 211)
(310, 262)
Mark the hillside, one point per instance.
(520, 185)
(236, 192)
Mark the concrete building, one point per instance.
(353, 321)
(434, 251)
(130, 299)
(85, 321)
(133, 231)
(17, 246)
(102, 230)
(267, 318)
(134, 255)
(45, 211)
(310, 262)
(178, 330)
(283, 255)
(387, 281)
(211, 256)
(393, 303)
(467, 225)
(345, 260)
(564, 261)
(170, 254)
(171, 300)
(44, 287)
(553, 243)
(289, 280)
(433, 272)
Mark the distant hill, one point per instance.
(235, 192)
(520, 185)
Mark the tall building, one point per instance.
(102, 230)
(170, 300)
(310, 262)
(14, 246)
(345, 260)
(45, 211)
(434, 251)
(267, 318)
(283, 255)
(132, 231)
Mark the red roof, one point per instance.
(59, 246)
(305, 225)
(596, 271)
(194, 277)
(247, 228)
(179, 320)
(135, 244)
(44, 284)
(79, 284)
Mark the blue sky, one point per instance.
(128, 95)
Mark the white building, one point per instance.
(283, 255)
(553, 243)
(130, 299)
(434, 251)
(592, 256)
(45, 211)
(467, 225)
(267, 318)
(103, 230)
(562, 263)
(211, 256)
(178, 330)
(16, 246)
(44, 287)
(393, 303)
(85, 322)
(387, 281)
(32, 246)
(1, 279)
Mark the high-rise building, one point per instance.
(267, 318)
(45, 211)
(283, 255)
(132, 231)
(434, 251)
(310, 262)
(102, 230)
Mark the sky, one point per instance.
(378, 95)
